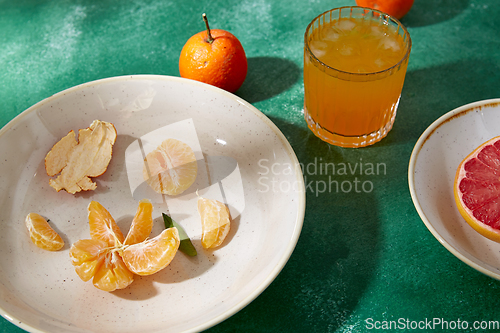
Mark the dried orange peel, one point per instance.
(78, 161)
(110, 260)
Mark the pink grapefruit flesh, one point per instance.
(477, 189)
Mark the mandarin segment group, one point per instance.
(112, 260)
(108, 258)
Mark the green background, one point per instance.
(360, 255)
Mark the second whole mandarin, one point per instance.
(395, 8)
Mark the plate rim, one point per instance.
(300, 186)
(449, 116)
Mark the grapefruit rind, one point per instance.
(480, 227)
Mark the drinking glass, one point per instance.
(355, 61)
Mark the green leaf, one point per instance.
(185, 246)
(169, 223)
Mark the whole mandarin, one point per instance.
(216, 57)
(395, 8)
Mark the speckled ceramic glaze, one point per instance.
(242, 158)
(431, 175)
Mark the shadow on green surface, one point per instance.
(338, 250)
(429, 12)
(431, 92)
(267, 77)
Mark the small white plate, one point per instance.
(243, 159)
(431, 174)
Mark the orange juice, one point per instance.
(354, 68)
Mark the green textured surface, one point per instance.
(360, 255)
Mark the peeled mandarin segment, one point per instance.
(112, 274)
(477, 189)
(152, 255)
(171, 168)
(142, 224)
(42, 234)
(87, 255)
(102, 225)
(215, 222)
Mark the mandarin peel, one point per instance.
(77, 162)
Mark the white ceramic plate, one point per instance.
(243, 159)
(431, 175)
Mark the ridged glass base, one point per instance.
(348, 141)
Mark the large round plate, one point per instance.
(433, 164)
(243, 159)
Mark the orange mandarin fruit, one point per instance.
(477, 189)
(395, 8)
(216, 57)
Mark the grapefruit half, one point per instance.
(477, 189)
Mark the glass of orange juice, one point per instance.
(355, 62)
